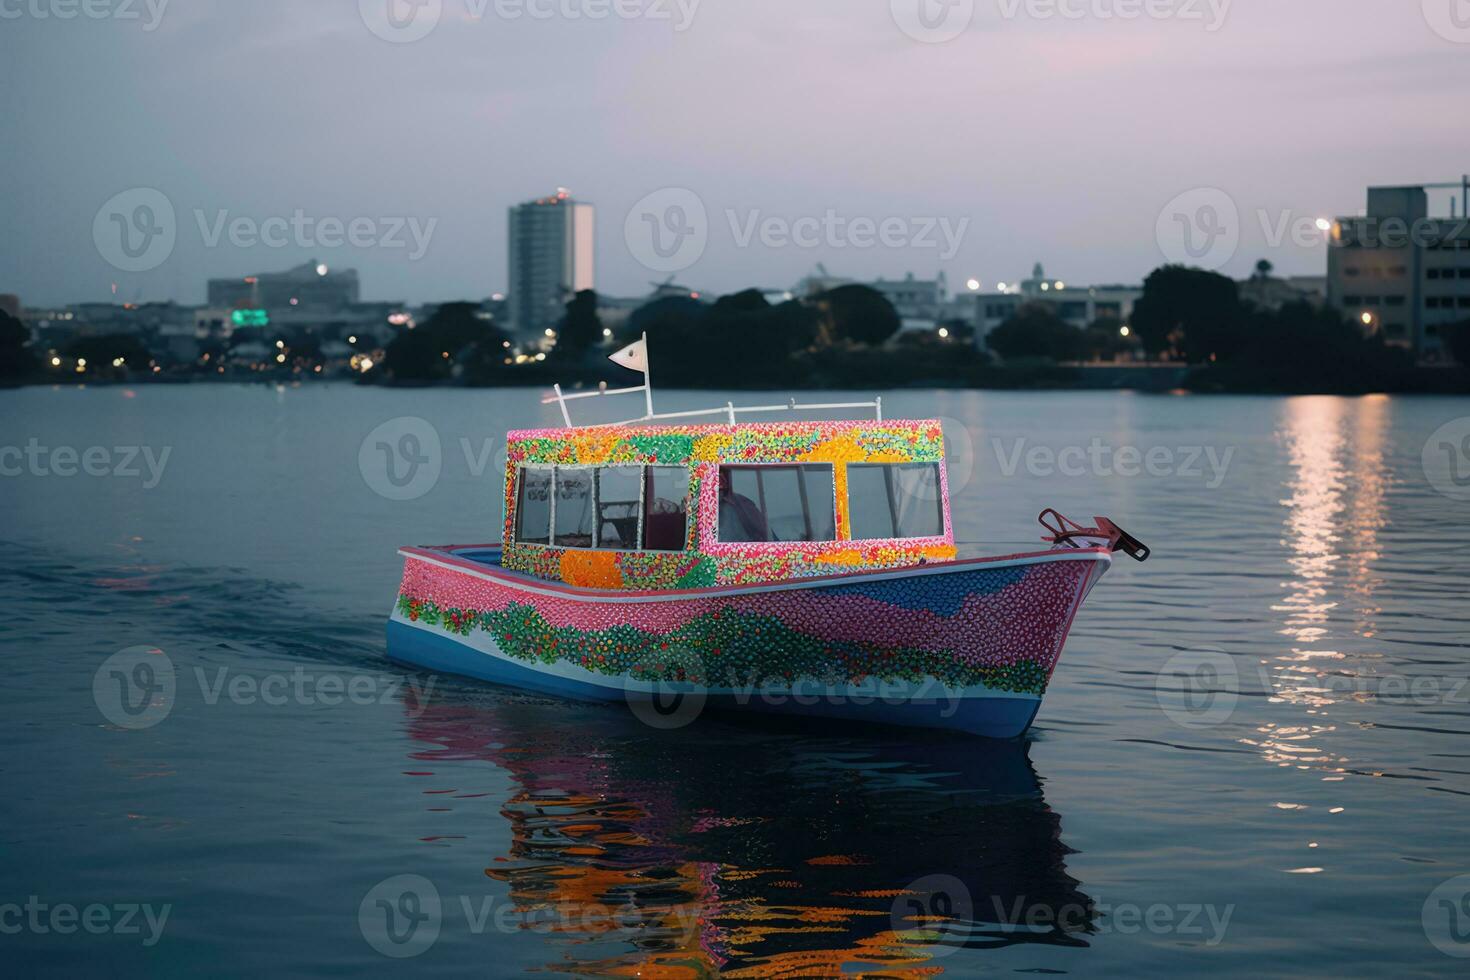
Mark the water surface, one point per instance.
(1293, 819)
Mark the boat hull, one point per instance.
(964, 646)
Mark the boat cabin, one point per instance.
(648, 507)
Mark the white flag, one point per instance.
(634, 357)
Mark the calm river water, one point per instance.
(1254, 759)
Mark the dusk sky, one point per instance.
(1031, 136)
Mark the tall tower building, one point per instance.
(551, 259)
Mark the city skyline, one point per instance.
(432, 140)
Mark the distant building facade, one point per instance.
(1401, 272)
(1077, 305)
(916, 299)
(311, 286)
(551, 248)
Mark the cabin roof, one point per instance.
(723, 428)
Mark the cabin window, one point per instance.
(776, 503)
(573, 513)
(666, 511)
(533, 506)
(895, 501)
(619, 502)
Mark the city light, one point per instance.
(974, 285)
(1323, 224)
(1125, 331)
(1000, 286)
(1045, 286)
(944, 333)
(56, 362)
(1367, 319)
(1061, 285)
(352, 340)
(321, 270)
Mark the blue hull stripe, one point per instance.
(993, 716)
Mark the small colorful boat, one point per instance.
(798, 568)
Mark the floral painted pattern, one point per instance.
(705, 560)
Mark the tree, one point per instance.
(858, 315)
(1457, 340)
(456, 330)
(1189, 313)
(1264, 268)
(100, 353)
(16, 357)
(1035, 330)
(581, 329)
(1103, 340)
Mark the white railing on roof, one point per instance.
(730, 410)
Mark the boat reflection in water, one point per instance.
(753, 852)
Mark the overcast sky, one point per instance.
(1028, 136)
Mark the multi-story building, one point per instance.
(1077, 305)
(916, 299)
(552, 242)
(311, 286)
(1401, 272)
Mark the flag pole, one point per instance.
(647, 377)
